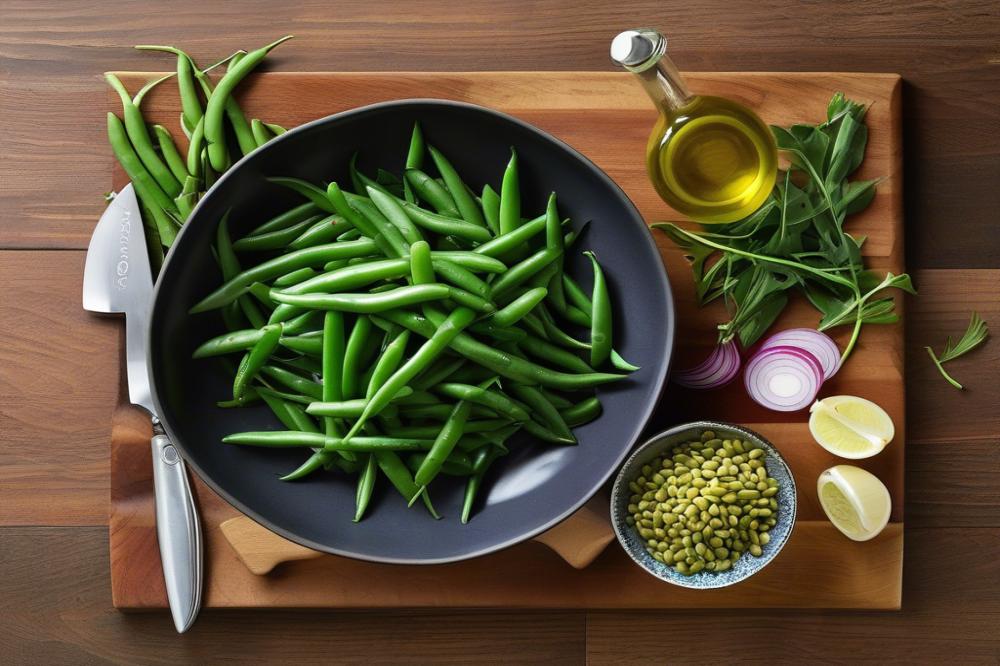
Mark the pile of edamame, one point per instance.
(409, 328)
(706, 505)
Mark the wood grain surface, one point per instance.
(56, 392)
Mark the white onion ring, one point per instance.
(819, 344)
(721, 366)
(783, 378)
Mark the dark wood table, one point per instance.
(58, 378)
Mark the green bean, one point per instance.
(310, 344)
(544, 409)
(395, 469)
(352, 277)
(275, 129)
(534, 324)
(138, 135)
(501, 245)
(171, 156)
(414, 159)
(437, 372)
(472, 301)
(295, 277)
(471, 260)
(621, 364)
(367, 303)
(293, 381)
(600, 328)
(382, 226)
(521, 272)
(153, 245)
(317, 196)
(514, 311)
(230, 266)
(299, 439)
(556, 334)
(287, 219)
(576, 294)
(436, 412)
(273, 240)
(228, 343)
(497, 401)
(424, 432)
(366, 484)
(195, 163)
(491, 209)
(443, 445)
(553, 226)
(503, 363)
(303, 323)
(188, 197)
(461, 277)
(510, 197)
(398, 217)
(582, 412)
(446, 226)
(450, 327)
(480, 465)
(190, 103)
(309, 364)
(490, 328)
(261, 133)
(431, 191)
(347, 409)
(457, 463)
(321, 231)
(467, 207)
(145, 185)
(547, 351)
(311, 256)
(214, 130)
(334, 347)
(421, 267)
(558, 401)
(255, 359)
(388, 362)
(354, 356)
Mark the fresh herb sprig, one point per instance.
(796, 240)
(974, 335)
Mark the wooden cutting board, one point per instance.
(607, 117)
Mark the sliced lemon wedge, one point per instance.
(855, 501)
(850, 427)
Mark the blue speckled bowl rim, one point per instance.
(746, 566)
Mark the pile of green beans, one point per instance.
(706, 505)
(167, 182)
(408, 328)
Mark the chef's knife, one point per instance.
(117, 279)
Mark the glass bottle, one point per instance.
(709, 158)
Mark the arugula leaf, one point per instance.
(796, 239)
(974, 335)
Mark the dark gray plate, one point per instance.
(530, 490)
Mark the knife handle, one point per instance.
(178, 532)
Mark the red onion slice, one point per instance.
(783, 378)
(820, 345)
(721, 366)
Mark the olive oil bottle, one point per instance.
(709, 158)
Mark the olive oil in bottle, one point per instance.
(709, 158)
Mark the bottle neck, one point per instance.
(664, 85)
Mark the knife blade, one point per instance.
(117, 280)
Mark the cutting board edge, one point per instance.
(893, 82)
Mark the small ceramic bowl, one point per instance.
(747, 565)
